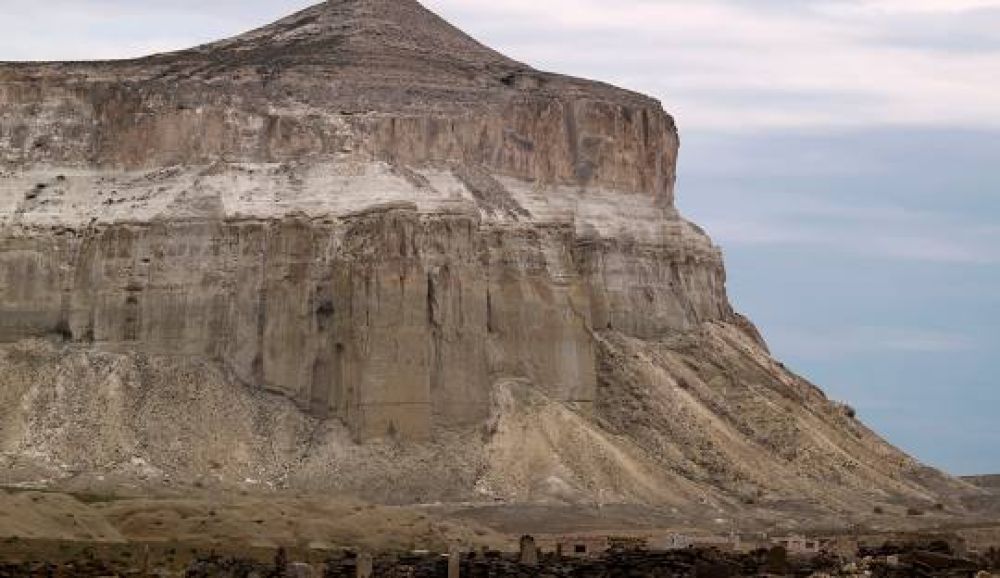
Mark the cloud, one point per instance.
(710, 61)
(847, 342)
(865, 232)
(113, 29)
(919, 196)
(910, 6)
(969, 250)
(932, 243)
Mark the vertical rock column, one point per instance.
(456, 312)
(387, 320)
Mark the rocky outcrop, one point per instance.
(394, 230)
(379, 249)
(390, 319)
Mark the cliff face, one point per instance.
(390, 319)
(343, 211)
(364, 211)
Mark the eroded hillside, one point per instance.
(357, 251)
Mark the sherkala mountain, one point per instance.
(357, 251)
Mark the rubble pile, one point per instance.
(887, 562)
(931, 560)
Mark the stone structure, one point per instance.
(671, 542)
(798, 544)
(364, 565)
(580, 546)
(528, 551)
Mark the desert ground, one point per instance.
(169, 530)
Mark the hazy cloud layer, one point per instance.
(908, 195)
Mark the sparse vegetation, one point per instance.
(94, 498)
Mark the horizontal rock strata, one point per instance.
(390, 319)
(357, 250)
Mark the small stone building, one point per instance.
(575, 546)
(671, 542)
(797, 544)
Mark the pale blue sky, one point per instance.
(844, 153)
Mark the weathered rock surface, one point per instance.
(358, 224)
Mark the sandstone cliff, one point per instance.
(358, 250)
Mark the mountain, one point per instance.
(358, 251)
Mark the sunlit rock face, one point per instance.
(404, 234)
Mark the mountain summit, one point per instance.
(358, 251)
(374, 35)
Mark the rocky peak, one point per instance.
(395, 229)
(374, 35)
